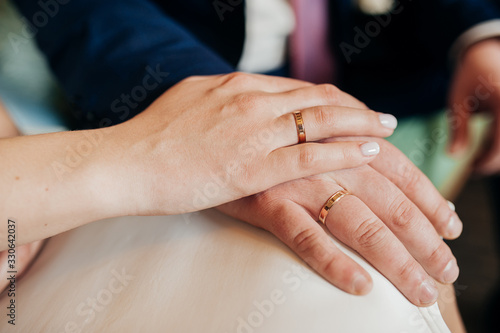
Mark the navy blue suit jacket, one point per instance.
(114, 57)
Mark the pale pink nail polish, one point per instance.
(388, 120)
(370, 149)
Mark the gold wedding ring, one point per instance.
(329, 204)
(301, 130)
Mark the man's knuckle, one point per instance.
(331, 264)
(437, 254)
(271, 207)
(267, 198)
(407, 270)
(306, 240)
(412, 180)
(403, 212)
(370, 233)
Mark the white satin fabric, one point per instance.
(201, 272)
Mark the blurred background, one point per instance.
(477, 254)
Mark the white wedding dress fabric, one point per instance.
(199, 272)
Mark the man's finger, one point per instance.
(306, 237)
(293, 225)
(353, 223)
(405, 220)
(396, 167)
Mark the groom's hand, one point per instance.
(393, 217)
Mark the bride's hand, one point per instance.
(211, 140)
(204, 142)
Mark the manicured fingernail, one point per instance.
(428, 292)
(454, 227)
(451, 205)
(450, 273)
(370, 149)
(388, 120)
(360, 284)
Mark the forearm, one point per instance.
(55, 182)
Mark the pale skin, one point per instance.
(386, 203)
(25, 253)
(146, 164)
(146, 167)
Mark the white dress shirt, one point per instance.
(268, 25)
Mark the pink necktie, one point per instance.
(310, 56)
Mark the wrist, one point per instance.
(133, 179)
(106, 176)
(67, 182)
